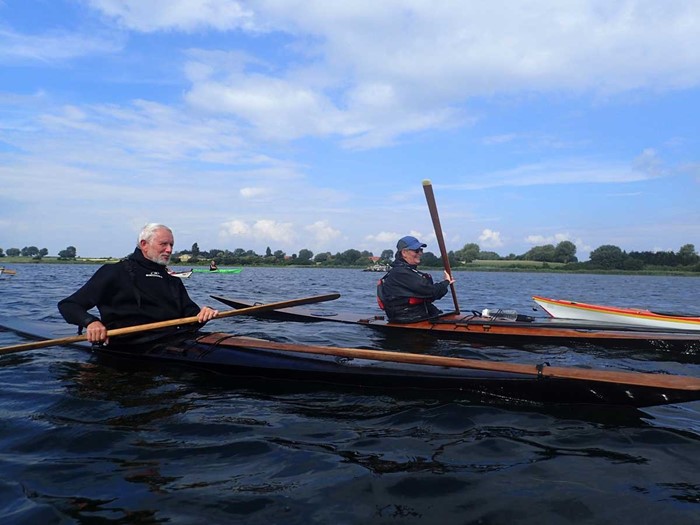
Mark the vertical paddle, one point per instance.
(430, 197)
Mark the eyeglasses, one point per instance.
(419, 250)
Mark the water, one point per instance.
(84, 440)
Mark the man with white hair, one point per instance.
(136, 290)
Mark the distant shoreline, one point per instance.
(502, 266)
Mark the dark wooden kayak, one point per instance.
(255, 358)
(474, 328)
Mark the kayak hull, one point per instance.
(255, 358)
(220, 270)
(562, 309)
(182, 275)
(227, 354)
(486, 330)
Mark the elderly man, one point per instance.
(136, 290)
(406, 294)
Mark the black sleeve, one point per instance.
(418, 284)
(74, 308)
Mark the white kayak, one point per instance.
(562, 309)
(181, 275)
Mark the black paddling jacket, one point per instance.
(131, 292)
(406, 294)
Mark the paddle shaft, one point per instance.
(171, 322)
(553, 372)
(430, 197)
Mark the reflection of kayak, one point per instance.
(622, 316)
(220, 270)
(492, 330)
(256, 358)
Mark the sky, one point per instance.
(311, 124)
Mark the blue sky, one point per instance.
(312, 123)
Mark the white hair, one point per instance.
(149, 231)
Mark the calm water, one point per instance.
(83, 440)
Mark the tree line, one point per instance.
(605, 257)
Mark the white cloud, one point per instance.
(182, 15)
(323, 232)
(384, 237)
(260, 230)
(52, 47)
(538, 240)
(490, 239)
(372, 72)
(250, 193)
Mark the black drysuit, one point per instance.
(131, 292)
(406, 294)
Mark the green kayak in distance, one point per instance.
(220, 270)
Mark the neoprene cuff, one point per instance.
(89, 319)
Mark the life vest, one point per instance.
(380, 293)
(381, 300)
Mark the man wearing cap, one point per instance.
(406, 294)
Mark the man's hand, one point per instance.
(206, 314)
(96, 332)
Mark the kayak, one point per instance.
(182, 275)
(256, 358)
(7, 271)
(476, 328)
(562, 309)
(220, 270)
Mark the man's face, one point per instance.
(159, 248)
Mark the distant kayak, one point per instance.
(181, 275)
(220, 270)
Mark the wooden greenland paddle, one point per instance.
(171, 322)
(676, 382)
(430, 197)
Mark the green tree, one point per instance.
(268, 252)
(544, 253)
(30, 251)
(68, 253)
(565, 252)
(2, 253)
(387, 255)
(195, 250)
(13, 252)
(305, 255)
(350, 257)
(430, 259)
(322, 257)
(687, 255)
(468, 253)
(607, 257)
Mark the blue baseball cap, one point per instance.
(410, 243)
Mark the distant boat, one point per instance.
(6, 271)
(377, 268)
(182, 274)
(220, 270)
